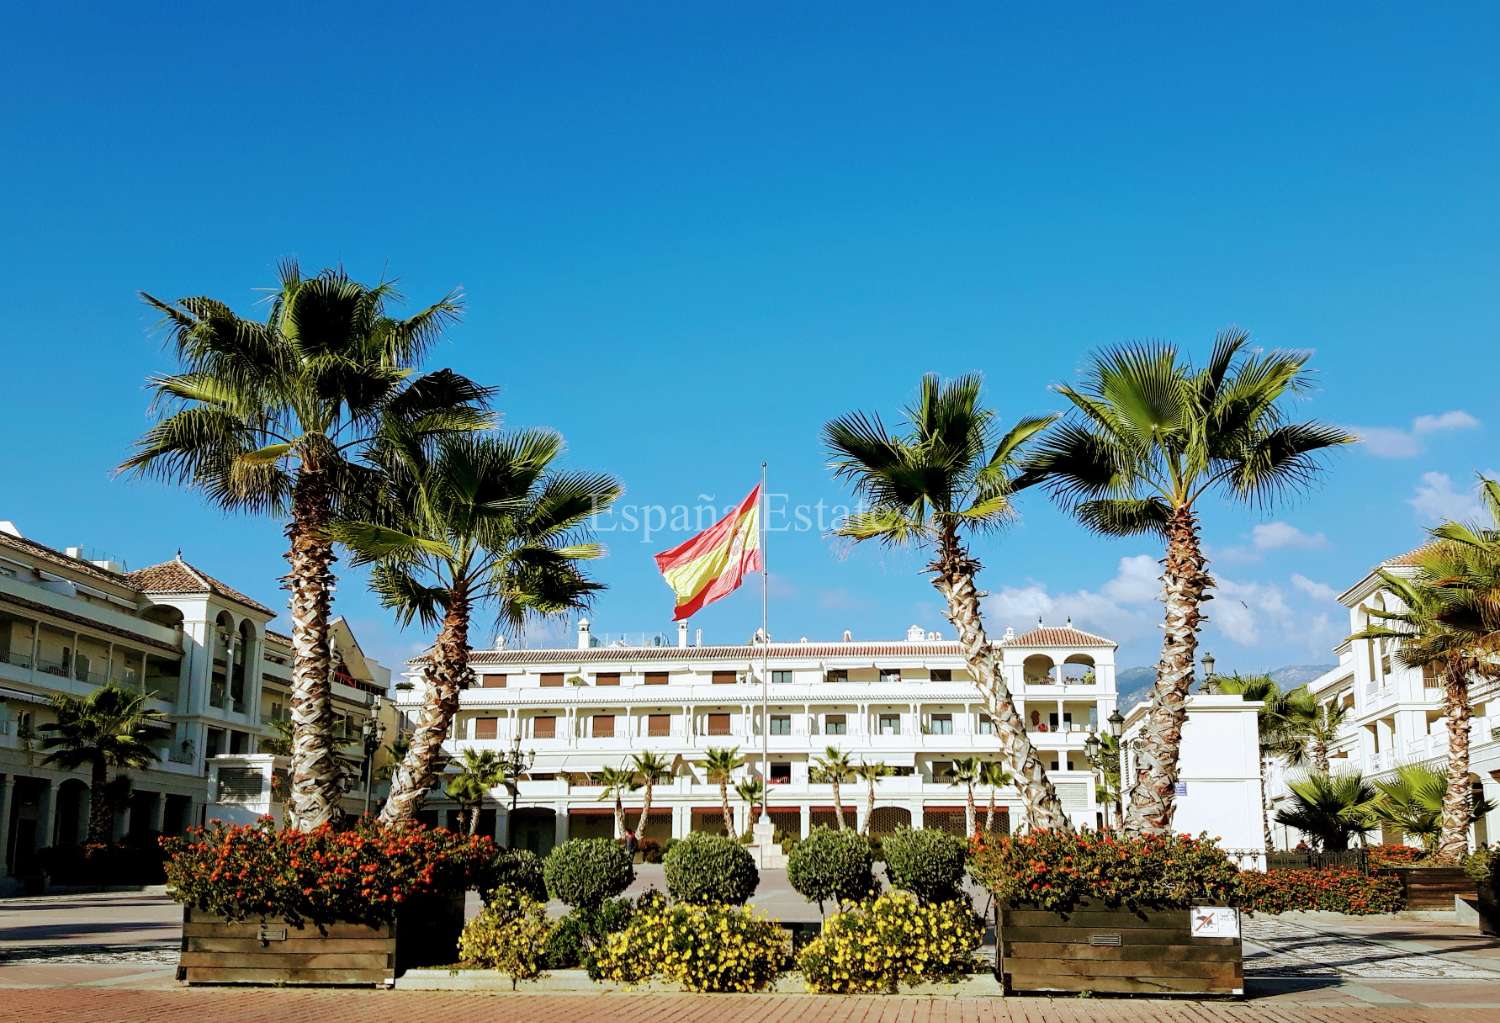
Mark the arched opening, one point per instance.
(1037, 669)
(244, 660)
(533, 828)
(164, 615)
(222, 660)
(72, 811)
(1079, 669)
(888, 818)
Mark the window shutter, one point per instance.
(491, 681)
(486, 728)
(718, 724)
(552, 680)
(607, 678)
(656, 678)
(544, 728)
(659, 724)
(724, 678)
(604, 726)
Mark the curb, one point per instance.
(577, 982)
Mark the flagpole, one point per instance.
(765, 653)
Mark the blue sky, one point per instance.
(688, 235)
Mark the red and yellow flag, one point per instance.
(713, 563)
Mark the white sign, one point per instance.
(1214, 922)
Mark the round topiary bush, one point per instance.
(584, 872)
(926, 862)
(708, 870)
(831, 865)
(517, 869)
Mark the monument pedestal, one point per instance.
(764, 847)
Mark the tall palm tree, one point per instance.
(467, 522)
(1465, 563)
(480, 772)
(110, 728)
(279, 418)
(1149, 435)
(835, 768)
(1413, 800)
(1280, 722)
(968, 772)
(996, 777)
(1330, 808)
(650, 768)
(871, 772)
(753, 791)
(1323, 728)
(719, 765)
(615, 782)
(950, 475)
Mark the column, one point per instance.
(159, 814)
(806, 824)
(560, 825)
(7, 800)
(916, 815)
(46, 820)
(682, 821)
(502, 824)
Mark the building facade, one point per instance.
(1393, 714)
(910, 704)
(71, 621)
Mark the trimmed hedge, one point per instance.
(926, 862)
(831, 865)
(517, 869)
(1335, 890)
(584, 872)
(708, 869)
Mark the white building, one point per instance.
(70, 621)
(910, 704)
(1394, 714)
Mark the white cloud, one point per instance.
(1436, 499)
(1394, 442)
(1316, 590)
(1271, 536)
(1241, 609)
(1121, 609)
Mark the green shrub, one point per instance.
(580, 934)
(926, 862)
(517, 869)
(705, 948)
(709, 869)
(1483, 867)
(586, 871)
(509, 935)
(890, 941)
(831, 865)
(1332, 889)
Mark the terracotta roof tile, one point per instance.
(1411, 559)
(56, 557)
(1052, 636)
(177, 576)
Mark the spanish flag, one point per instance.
(713, 563)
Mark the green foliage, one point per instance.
(583, 872)
(831, 865)
(1333, 890)
(890, 941)
(705, 948)
(1412, 802)
(926, 862)
(510, 935)
(710, 869)
(1330, 808)
(1056, 870)
(582, 932)
(517, 869)
(111, 725)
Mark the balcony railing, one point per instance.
(16, 658)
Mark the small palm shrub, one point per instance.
(509, 935)
(926, 862)
(710, 869)
(831, 865)
(584, 872)
(704, 948)
(890, 941)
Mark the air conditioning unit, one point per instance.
(1495, 731)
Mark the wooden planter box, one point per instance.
(1096, 948)
(215, 951)
(1489, 912)
(1434, 887)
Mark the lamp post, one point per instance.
(516, 762)
(1116, 722)
(371, 733)
(1208, 668)
(1091, 753)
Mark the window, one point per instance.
(486, 728)
(942, 724)
(942, 674)
(724, 678)
(656, 678)
(781, 724)
(890, 724)
(552, 680)
(213, 742)
(781, 678)
(986, 725)
(718, 724)
(604, 726)
(781, 773)
(941, 770)
(607, 678)
(835, 724)
(890, 674)
(836, 675)
(491, 681)
(659, 724)
(544, 728)
(239, 742)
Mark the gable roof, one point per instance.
(177, 576)
(55, 557)
(1044, 635)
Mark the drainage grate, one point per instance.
(1104, 939)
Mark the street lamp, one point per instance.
(371, 733)
(1208, 667)
(1116, 722)
(516, 762)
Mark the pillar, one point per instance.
(46, 821)
(806, 823)
(159, 814)
(502, 825)
(560, 825)
(682, 821)
(7, 800)
(916, 815)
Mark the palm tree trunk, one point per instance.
(473, 821)
(1458, 799)
(101, 813)
(1320, 755)
(953, 576)
(448, 674)
(1265, 806)
(640, 828)
(316, 779)
(619, 817)
(1185, 579)
(869, 806)
(971, 814)
(838, 803)
(989, 814)
(728, 810)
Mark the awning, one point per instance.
(20, 696)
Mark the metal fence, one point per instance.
(1351, 859)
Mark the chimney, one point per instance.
(682, 634)
(76, 553)
(848, 636)
(583, 634)
(697, 637)
(915, 634)
(9, 529)
(499, 642)
(1010, 633)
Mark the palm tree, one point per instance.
(1323, 728)
(480, 772)
(617, 781)
(472, 521)
(1149, 436)
(968, 772)
(870, 773)
(950, 475)
(1280, 722)
(1330, 808)
(719, 765)
(996, 777)
(835, 768)
(753, 791)
(1465, 563)
(1413, 801)
(649, 768)
(277, 739)
(111, 727)
(279, 418)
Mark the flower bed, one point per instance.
(704, 948)
(1335, 890)
(889, 941)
